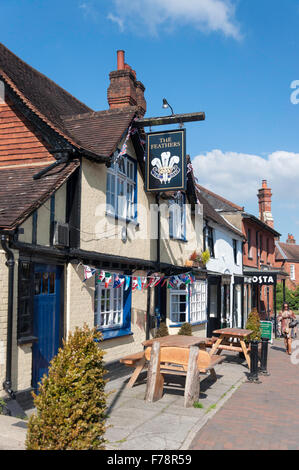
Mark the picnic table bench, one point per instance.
(139, 361)
(232, 339)
(190, 362)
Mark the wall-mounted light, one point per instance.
(167, 105)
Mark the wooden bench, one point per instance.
(136, 360)
(176, 361)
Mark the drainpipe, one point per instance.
(10, 263)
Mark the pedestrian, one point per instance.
(286, 317)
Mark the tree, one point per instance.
(254, 324)
(71, 402)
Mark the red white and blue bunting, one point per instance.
(136, 282)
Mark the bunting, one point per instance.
(136, 282)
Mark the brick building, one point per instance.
(260, 272)
(287, 258)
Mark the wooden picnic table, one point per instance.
(178, 355)
(232, 339)
(179, 341)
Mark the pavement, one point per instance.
(261, 416)
(230, 414)
(166, 425)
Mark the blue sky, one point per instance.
(235, 60)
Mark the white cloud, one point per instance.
(116, 20)
(238, 176)
(88, 10)
(166, 15)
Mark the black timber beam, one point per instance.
(166, 120)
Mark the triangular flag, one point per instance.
(134, 283)
(100, 276)
(88, 272)
(108, 279)
(128, 281)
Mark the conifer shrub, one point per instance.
(162, 330)
(186, 329)
(254, 324)
(71, 402)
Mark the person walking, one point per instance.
(287, 317)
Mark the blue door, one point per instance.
(47, 301)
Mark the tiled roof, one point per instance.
(47, 99)
(218, 202)
(210, 213)
(20, 194)
(100, 132)
(19, 142)
(286, 251)
(96, 132)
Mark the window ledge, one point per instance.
(122, 219)
(178, 325)
(115, 333)
(27, 340)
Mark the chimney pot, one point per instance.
(120, 60)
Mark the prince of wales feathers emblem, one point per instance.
(166, 168)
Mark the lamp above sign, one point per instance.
(166, 161)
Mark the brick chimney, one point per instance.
(124, 90)
(291, 240)
(264, 197)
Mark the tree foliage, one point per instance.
(292, 297)
(71, 402)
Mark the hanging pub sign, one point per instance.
(166, 161)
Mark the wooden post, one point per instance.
(192, 386)
(155, 380)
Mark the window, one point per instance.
(121, 191)
(112, 314)
(177, 218)
(178, 306)
(209, 240)
(292, 272)
(198, 302)
(249, 243)
(25, 300)
(189, 304)
(261, 246)
(235, 248)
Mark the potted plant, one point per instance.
(185, 330)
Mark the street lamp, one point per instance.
(167, 105)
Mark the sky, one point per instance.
(236, 60)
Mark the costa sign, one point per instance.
(264, 279)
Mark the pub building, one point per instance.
(76, 221)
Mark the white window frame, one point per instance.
(121, 189)
(198, 302)
(172, 312)
(177, 218)
(292, 272)
(116, 298)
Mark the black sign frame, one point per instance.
(153, 178)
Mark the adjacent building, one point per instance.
(287, 258)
